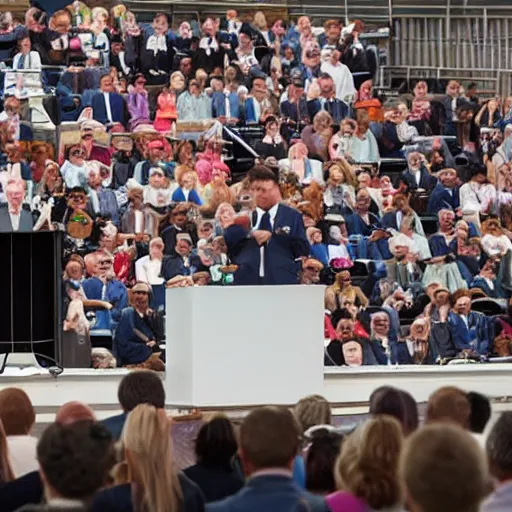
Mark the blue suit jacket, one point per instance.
(117, 107)
(179, 197)
(427, 181)
(441, 198)
(270, 493)
(288, 243)
(128, 348)
(478, 335)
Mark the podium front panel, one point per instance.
(243, 346)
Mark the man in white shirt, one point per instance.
(12, 216)
(343, 80)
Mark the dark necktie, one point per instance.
(21, 62)
(265, 222)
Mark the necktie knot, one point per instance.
(265, 222)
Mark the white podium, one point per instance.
(243, 346)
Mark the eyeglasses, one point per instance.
(140, 292)
(77, 197)
(105, 262)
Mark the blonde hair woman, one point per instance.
(366, 471)
(155, 484)
(311, 411)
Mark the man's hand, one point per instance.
(261, 236)
(151, 343)
(443, 313)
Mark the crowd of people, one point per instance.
(411, 196)
(275, 459)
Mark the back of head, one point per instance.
(449, 404)
(75, 459)
(141, 387)
(269, 438)
(499, 447)
(312, 410)
(368, 463)
(74, 411)
(216, 443)
(397, 403)
(480, 411)
(444, 470)
(322, 454)
(16, 412)
(148, 445)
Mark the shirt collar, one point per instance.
(272, 212)
(273, 472)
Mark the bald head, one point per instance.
(71, 412)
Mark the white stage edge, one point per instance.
(344, 387)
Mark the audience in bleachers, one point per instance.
(158, 127)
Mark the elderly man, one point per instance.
(343, 80)
(445, 193)
(402, 268)
(416, 176)
(13, 217)
(183, 262)
(328, 101)
(139, 332)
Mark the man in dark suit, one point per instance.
(183, 262)
(177, 224)
(269, 440)
(416, 175)
(108, 106)
(446, 193)
(267, 253)
(13, 216)
(138, 387)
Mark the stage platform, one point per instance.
(347, 389)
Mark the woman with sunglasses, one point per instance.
(138, 104)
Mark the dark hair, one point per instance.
(16, 412)
(499, 447)
(216, 443)
(270, 120)
(322, 455)
(141, 387)
(68, 149)
(324, 76)
(480, 411)
(269, 437)
(397, 403)
(262, 173)
(76, 459)
(72, 190)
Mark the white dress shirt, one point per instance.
(22, 454)
(417, 177)
(343, 80)
(15, 220)
(272, 212)
(106, 95)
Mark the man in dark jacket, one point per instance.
(269, 252)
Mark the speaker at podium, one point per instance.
(30, 298)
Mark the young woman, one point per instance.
(154, 482)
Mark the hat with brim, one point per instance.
(448, 170)
(184, 236)
(141, 287)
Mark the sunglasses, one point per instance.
(105, 262)
(77, 152)
(77, 197)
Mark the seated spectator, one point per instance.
(137, 337)
(269, 440)
(342, 294)
(480, 415)
(437, 454)
(317, 136)
(215, 472)
(108, 106)
(183, 262)
(416, 177)
(387, 135)
(322, 453)
(397, 403)
(194, 104)
(337, 108)
(449, 405)
(136, 387)
(152, 469)
(363, 147)
(18, 418)
(374, 445)
(498, 447)
(75, 462)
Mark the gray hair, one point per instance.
(499, 446)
